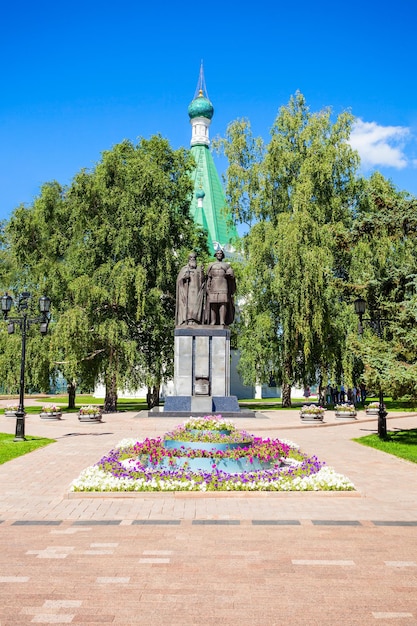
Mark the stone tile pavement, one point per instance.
(191, 559)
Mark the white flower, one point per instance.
(126, 443)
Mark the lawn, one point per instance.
(10, 449)
(123, 404)
(271, 404)
(139, 404)
(400, 443)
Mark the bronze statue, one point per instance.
(221, 286)
(190, 293)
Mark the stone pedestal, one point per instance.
(201, 372)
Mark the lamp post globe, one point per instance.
(360, 306)
(6, 304)
(44, 304)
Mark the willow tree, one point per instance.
(38, 240)
(298, 191)
(130, 221)
(107, 250)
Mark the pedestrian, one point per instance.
(363, 393)
(329, 394)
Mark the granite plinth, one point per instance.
(202, 361)
(202, 374)
(181, 407)
(209, 404)
(184, 415)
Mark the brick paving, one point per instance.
(189, 559)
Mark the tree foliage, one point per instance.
(108, 249)
(300, 190)
(384, 271)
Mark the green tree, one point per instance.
(38, 238)
(130, 223)
(384, 272)
(14, 279)
(299, 190)
(108, 250)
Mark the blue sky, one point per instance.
(80, 76)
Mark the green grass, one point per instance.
(139, 404)
(400, 443)
(10, 449)
(273, 404)
(123, 404)
(397, 405)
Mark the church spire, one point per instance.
(201, 89)
(200, 112)
(208, 204)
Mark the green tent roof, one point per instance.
(213, 213)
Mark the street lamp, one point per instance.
(24, 322)
(375, 322)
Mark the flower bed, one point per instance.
(153, 451)
(89, 410)
(216, 436)
(269, 465)
(51, 411)
(312, 412)
(312, 409)
(373, 408)
(208, 423)
(345, 410)
(11, 410)
(90, 413)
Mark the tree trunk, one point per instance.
(152, 396)
(71, 389)
(110, 401)
(286, 395)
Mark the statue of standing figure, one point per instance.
(220, 289)
(189, 307)
(205, 298)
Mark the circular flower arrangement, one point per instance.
(152, 465)
(90, 410)
(51, 408)
(312, 409)
(345, 408)
(11, 410)
(12, 407)
(209, 422)
(51, 411)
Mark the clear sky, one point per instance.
(80, 76)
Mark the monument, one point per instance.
(205, 299)
(204, 310)
(221, 286)
(189, 307)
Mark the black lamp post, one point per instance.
(375, 322)
(24, 322)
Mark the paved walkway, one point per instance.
(191, 559)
